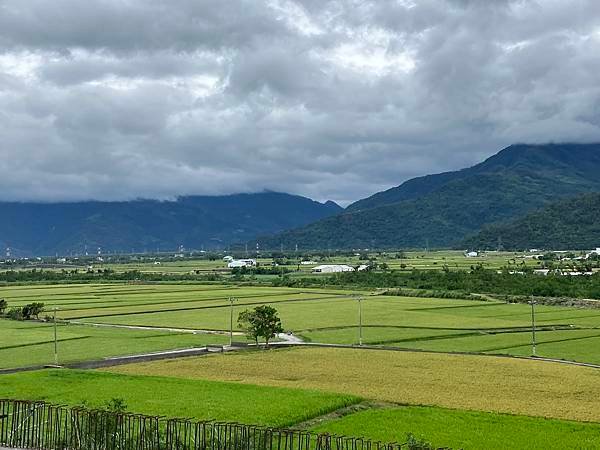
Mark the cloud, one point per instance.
(112, 99)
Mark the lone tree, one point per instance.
(261, 321)
(3, 306)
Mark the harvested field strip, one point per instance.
(128, 303)
(481, 383)
(224, 305)
(132, 295)
(438, 308)
(519, 329)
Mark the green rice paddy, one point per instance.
(316, 315)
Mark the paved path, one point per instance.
(140, 327)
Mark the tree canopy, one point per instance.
(261, 321)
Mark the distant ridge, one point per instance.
(441, 210)
(572, 224)
(193, 221)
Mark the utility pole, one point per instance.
(231, 300)
(533, 303)
(55, 339)
(359, 298)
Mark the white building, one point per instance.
(471, 254)
(307, 263)
(333, 268)
(237, 263)
(228, 258)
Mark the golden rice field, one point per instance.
(480, 383)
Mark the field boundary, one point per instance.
(204, 351)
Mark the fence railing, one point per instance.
(40, 425)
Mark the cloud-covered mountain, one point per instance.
(194, 222)
(440, 210)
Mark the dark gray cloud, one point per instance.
(111, 99)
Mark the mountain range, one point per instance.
(193, 222)
(442, 210)
(522, 187)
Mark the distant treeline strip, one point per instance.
(49, 276)
(462, 283)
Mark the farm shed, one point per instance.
(241, 263)
(333, 268)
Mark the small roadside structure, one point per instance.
(333, 268)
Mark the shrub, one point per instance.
(32, 310)
(15, 314)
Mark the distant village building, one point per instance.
(471, 254)
(228, 258)
(238, 263)
(543, 272)
(333, 268)
(307, 263)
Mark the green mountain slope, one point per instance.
(575, 164)
(441, 210)
(195, 221)
(567, 224)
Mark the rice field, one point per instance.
(462, 401)
(27, 344)
(323, 316)
(465, 382)
(466, 429)
(198, 399)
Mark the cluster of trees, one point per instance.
(261, 270)
(27, 312)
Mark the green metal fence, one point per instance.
(40, 425)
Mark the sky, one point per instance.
(123, 99)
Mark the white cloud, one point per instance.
(331, 99)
